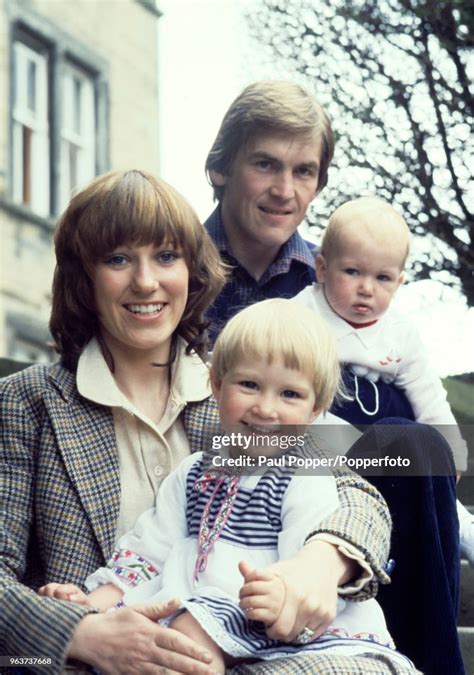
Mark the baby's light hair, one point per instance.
(366, 217)
(282, 329)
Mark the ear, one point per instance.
(315, 412)
(400, 281)
(320, 268)
(215, 385)
(218, 179)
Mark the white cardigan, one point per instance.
(392, 350)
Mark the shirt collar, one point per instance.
(296, 248)
(189, 378)
(216, 231)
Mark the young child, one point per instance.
(215, 532)
(359, 269)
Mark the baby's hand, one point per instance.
(68, 592)
(263, 594)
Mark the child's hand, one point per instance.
(68, 592)
(263, 594)
(311, 580)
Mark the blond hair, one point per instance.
(282, 329)
(266, 107)
(366, 217)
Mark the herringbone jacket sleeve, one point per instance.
(363, 521)
(29, 625)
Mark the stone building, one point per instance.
(78, 96)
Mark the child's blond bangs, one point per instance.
(279, 329)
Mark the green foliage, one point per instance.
(461, 397)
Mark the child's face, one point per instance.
(360, 280)
(257, 397)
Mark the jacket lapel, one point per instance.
(86, 440)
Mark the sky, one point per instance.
(205, 61)
(201, 72)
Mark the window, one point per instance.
(31, 140)
(77, 161)
(28, 339)
(58, 103)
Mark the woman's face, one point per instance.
(141, 293)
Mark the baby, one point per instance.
(359, 269)
(216, 532)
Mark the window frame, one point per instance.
(62, 51)
(82, 140)
(34, 147)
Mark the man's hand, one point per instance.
(262, 595)
(311, 580)
(130, 641)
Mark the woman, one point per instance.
(88, 441)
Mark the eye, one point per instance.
(351, 271)
(248, 384)
(306, 171)
(384, 277)
(290, 393)
(167, 257)
(263, 164)
(116, 260)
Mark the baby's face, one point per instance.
(257, 398)
(360, 280)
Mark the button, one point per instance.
(158, 470)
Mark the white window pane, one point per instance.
(40, 174)
(65, 181)
(31, 170)
(66, 103)
(31, 85)
(17, 165)
(77, 104)
(77, 132)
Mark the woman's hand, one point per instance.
(263, 594)
(68, 592)
(311, 580)
(129, 641)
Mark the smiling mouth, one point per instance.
(259, 429)
(145, 309)
(275, 212)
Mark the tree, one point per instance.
(394, 77)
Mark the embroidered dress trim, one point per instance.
(131, 568)
(208, 535)
(228, 625)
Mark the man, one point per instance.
(269, 161)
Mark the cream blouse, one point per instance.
(147, 451)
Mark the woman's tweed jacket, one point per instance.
(60, 496)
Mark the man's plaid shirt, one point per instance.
(292, 271)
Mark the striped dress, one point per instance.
(270, 517)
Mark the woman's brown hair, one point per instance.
(127, 207)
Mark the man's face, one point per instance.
(273, 180)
